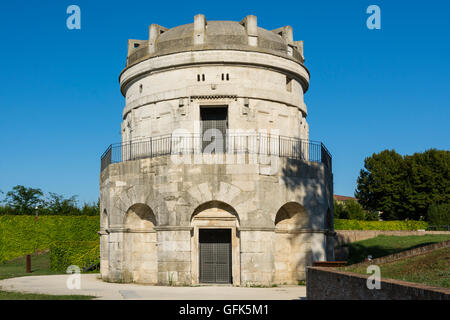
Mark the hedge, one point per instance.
(21, 235)
(80, 253)
(344, 224)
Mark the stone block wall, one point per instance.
(329, 284)
(174, 257)
(170, 196)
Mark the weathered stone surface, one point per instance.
(153, 208)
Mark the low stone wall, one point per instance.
(348, 236)
(408, 253)
(329, 284)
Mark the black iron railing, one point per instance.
(251, 144)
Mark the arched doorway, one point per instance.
(215, 253)
(140, 253)
(292, 244)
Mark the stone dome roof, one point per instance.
(217, 35)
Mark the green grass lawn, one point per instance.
(40, 265)
(385, 245)
(5, 295)
(432, 268)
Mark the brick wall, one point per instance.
(329, 284)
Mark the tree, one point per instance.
(429, 180)
(380, 185)
(355, 210)
(339, 210)
(404, 187)
(439, 214)
(58, 205)
(24, 200)
(91, 209)
(372, 215)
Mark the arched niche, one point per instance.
(215, 215)
(139, 217)
(292, 216)
(292, 248)
(104, 220)
(215, 210)
(140, 263)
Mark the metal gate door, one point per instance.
(217, 135)
(215, 255)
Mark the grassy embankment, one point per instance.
(432, 268)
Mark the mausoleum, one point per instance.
(215, 179)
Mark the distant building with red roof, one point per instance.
(343, 198)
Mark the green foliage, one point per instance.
(21, 235)
(339, 210)
(355, 210)
(91, 209)
(23, 200)
(439, 214)
(344, 224)
(385, 245)
(57, 204)
(40, 265)
(351, 209)
(6, 210)
(404, 187)
(372, 216)
(429, 181)
(80, 253)
(431, 268)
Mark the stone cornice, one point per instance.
(221, 92)
(291, 68)
(189, 228)
(173, 228)
(128, 230)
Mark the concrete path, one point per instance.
(92, 285)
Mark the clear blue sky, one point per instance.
(370, 90)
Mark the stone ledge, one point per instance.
(127, 230)
(173, 228)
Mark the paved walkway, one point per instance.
(92, 285)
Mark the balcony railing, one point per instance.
(252, 144)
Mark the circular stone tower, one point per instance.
(215, 180)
